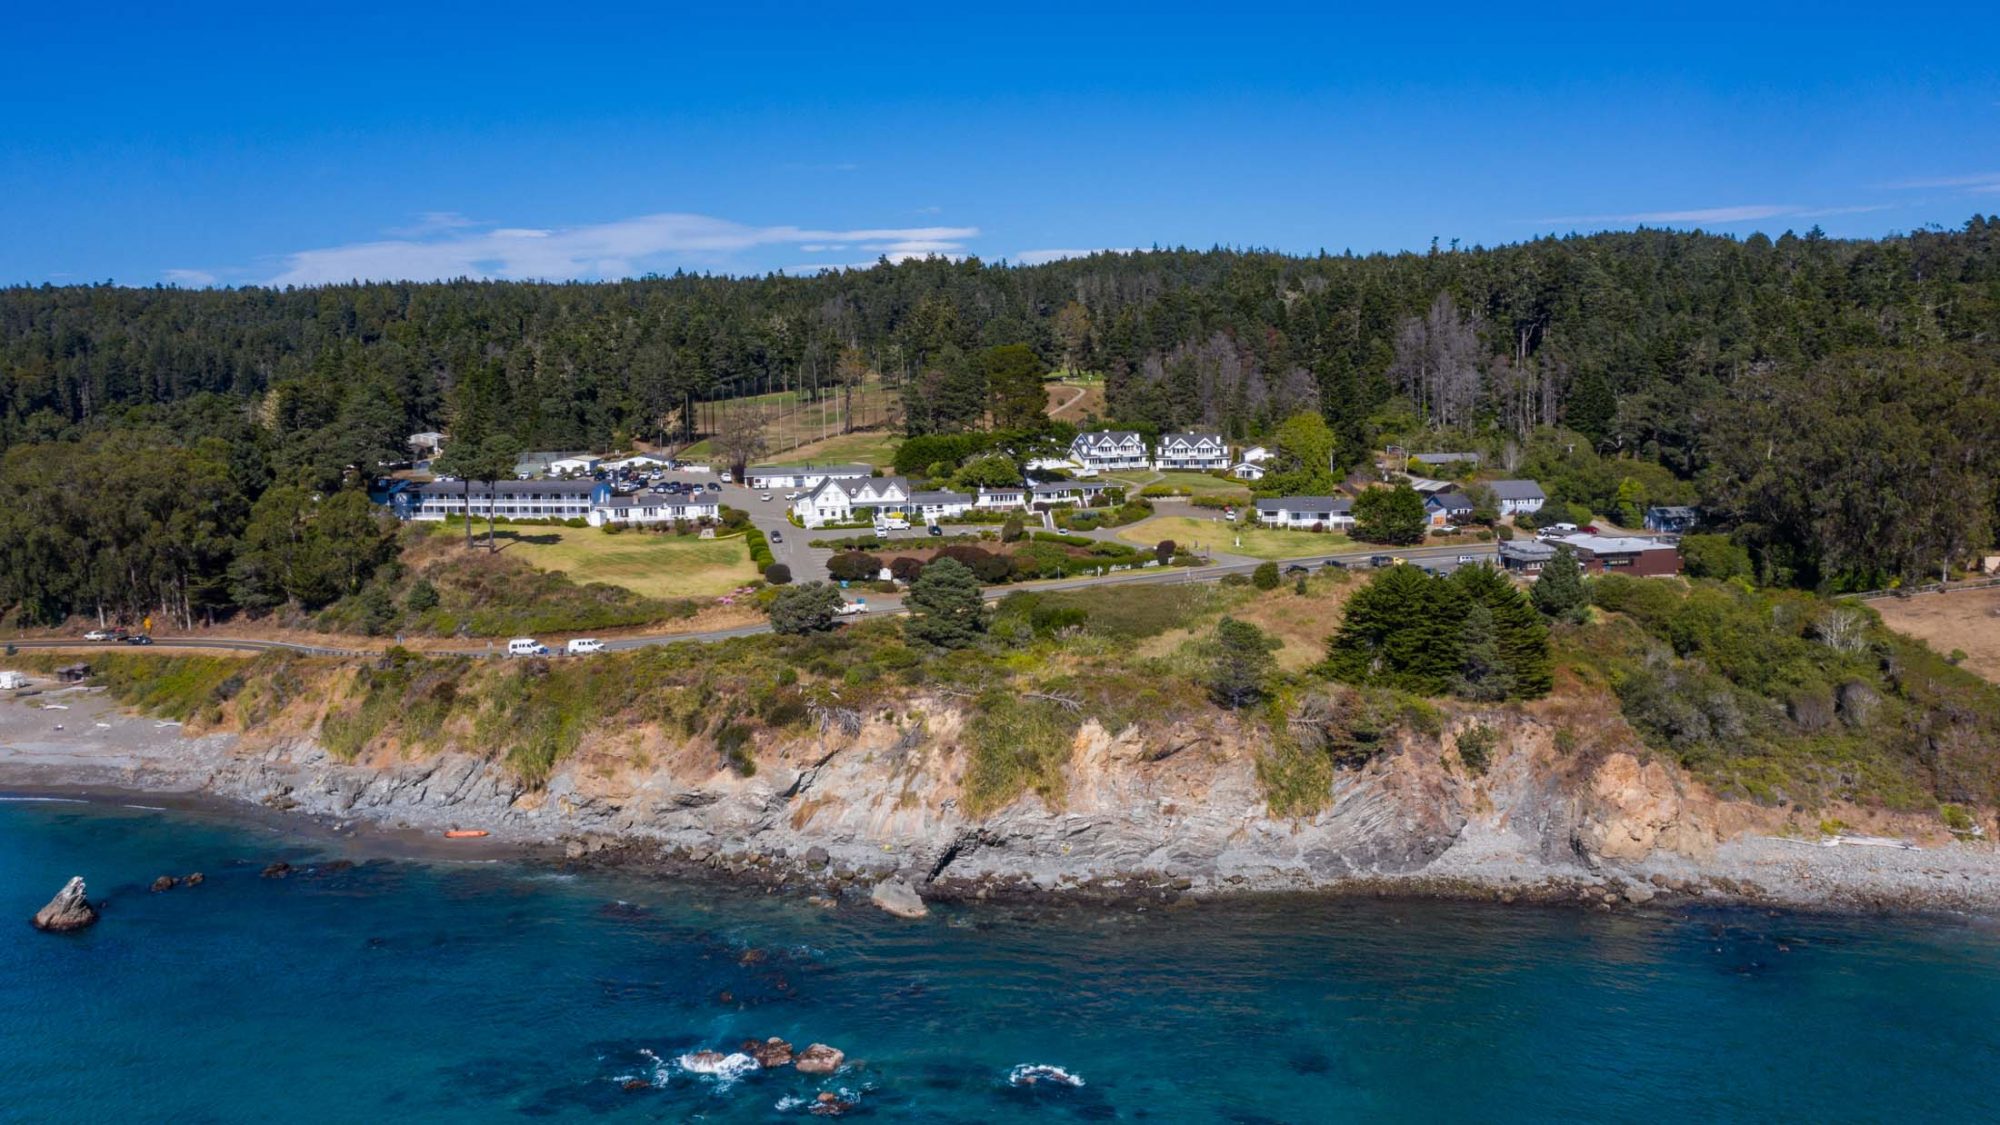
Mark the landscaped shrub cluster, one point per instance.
(760, 548)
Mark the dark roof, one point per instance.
(1516, 490)
(1058, 487)
(1527, 550)
(1306, 504)
(657, 500)
(1446, 458)
(943, 496)
(1451, 501)
(1674, 511)
(510, 488)
(821, 470)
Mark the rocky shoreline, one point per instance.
(1124, 838)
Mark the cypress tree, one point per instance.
(1559, 592)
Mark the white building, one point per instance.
(581, 465)
(426, 444)
(1515, 496)
(1011, 498)
(1192, 452)
(509, 499)
(940, 505)
(1257, 455)
(1247, 470)
(1307, 513)
(1109, 450)
(1079, 493)
(802, 476)
(639, 461)
(835, 499)
(645, 509)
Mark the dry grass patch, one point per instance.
(1967, 621)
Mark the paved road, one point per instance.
(1441, 558)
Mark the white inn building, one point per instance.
(1192, 452)
(1109, 450)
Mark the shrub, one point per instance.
(1265, 577)
(778, 574)
(806, 608)
(1475, 747)
(854, 566)
(1013, 529)
(422, 598)
(906, 568)
(1164, 551)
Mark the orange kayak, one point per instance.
(464, 833)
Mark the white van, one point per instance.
(583, 646)
(526, 646)
(894, 521)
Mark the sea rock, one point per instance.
(194, 880)
(164, 883)
(277, 870)
(69, 910)
(817, 856)
(1639, 893)
(898, 898)
(829, 1104)
(769, 1053)
(819, 1059)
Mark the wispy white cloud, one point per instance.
(193, 279)
(622, 248)
(1038, 257)
(1720, 216)
(432, 222)
(1974, 182)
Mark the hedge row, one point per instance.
(760, 549)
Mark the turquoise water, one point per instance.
(404, 991)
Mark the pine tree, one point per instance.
(1243, 663)
(1401, 630)
(1560, 593)
(946, 606)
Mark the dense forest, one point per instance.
(1833, 404)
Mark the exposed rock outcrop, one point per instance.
(69, 910)
(898, 898)
(819, 1059)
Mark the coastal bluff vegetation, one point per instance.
(1095, 735)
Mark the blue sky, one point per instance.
(256, 144)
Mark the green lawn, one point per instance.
(877, 448)
(1217, 535)
(657, 566)
(1199, 484)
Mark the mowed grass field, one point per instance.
(1218, 535)
(1200, 484)
(657, 566)
(877, 448)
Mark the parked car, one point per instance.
(1333, 564)
(766, 496)
(1381, 560)
(936, 530)
(98, 635)
(138, 639)
(714, 487)
(526, 646)
(791, 496)
(583, 646)
(851, 609)
(777, 536)
(1468, 558)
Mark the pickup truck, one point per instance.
(851, 609)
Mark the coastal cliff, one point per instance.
(1169, 811)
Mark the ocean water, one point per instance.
(398, 990)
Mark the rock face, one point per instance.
(69, 910)
(1630, 809)
(898, 898)
(772, 1052)
(819, 1059)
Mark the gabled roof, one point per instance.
(1516, 490)
(849, 471)
(511, 488)
(1192, 437)
(1103, 437)
(1451, 501)
(1306, 504)
(940, 497)
(1672, 511)
(1063, 487)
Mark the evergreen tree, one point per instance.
(1519, 637)
(1243, 663)
(1401, 630)
(1559, 592)
(947, 608)
(1389, 515)
(1014, 376)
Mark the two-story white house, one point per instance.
(1307, 513)
(1191, 452)
(1109, 450)
(1516, 496)
(836, 499)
